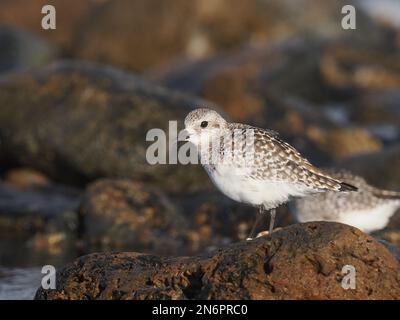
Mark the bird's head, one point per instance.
(202, 125)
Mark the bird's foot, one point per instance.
(263, 234)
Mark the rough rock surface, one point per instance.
(302, 261)
(77, 122)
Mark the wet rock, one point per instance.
(45, 201)
(20, 50)
(77, 122)
(302, 261)
(40, 209)
(126, 214)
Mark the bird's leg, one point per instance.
(272, 212)
(260, 215)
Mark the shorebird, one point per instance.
(369, 209)
(275, 173)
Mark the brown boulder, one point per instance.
(77, 121)
(302, 261)
(131, 215)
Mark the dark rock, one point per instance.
(126, 214)
(129, 215)
(38, 222)
(378, 168)
(77, 122)
(46, 208)
(302, 261)
(379, 112)
(20, 50)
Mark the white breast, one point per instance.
(235, 184)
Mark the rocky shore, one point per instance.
(297, 262)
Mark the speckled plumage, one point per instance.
(277, 173)
(369, 209)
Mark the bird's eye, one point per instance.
(204, 124)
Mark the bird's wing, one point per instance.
(279, 161)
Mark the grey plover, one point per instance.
(276, 173)
(369, 209)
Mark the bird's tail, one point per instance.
(326, 182)
(347, 187)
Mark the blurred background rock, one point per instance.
(76, 103)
